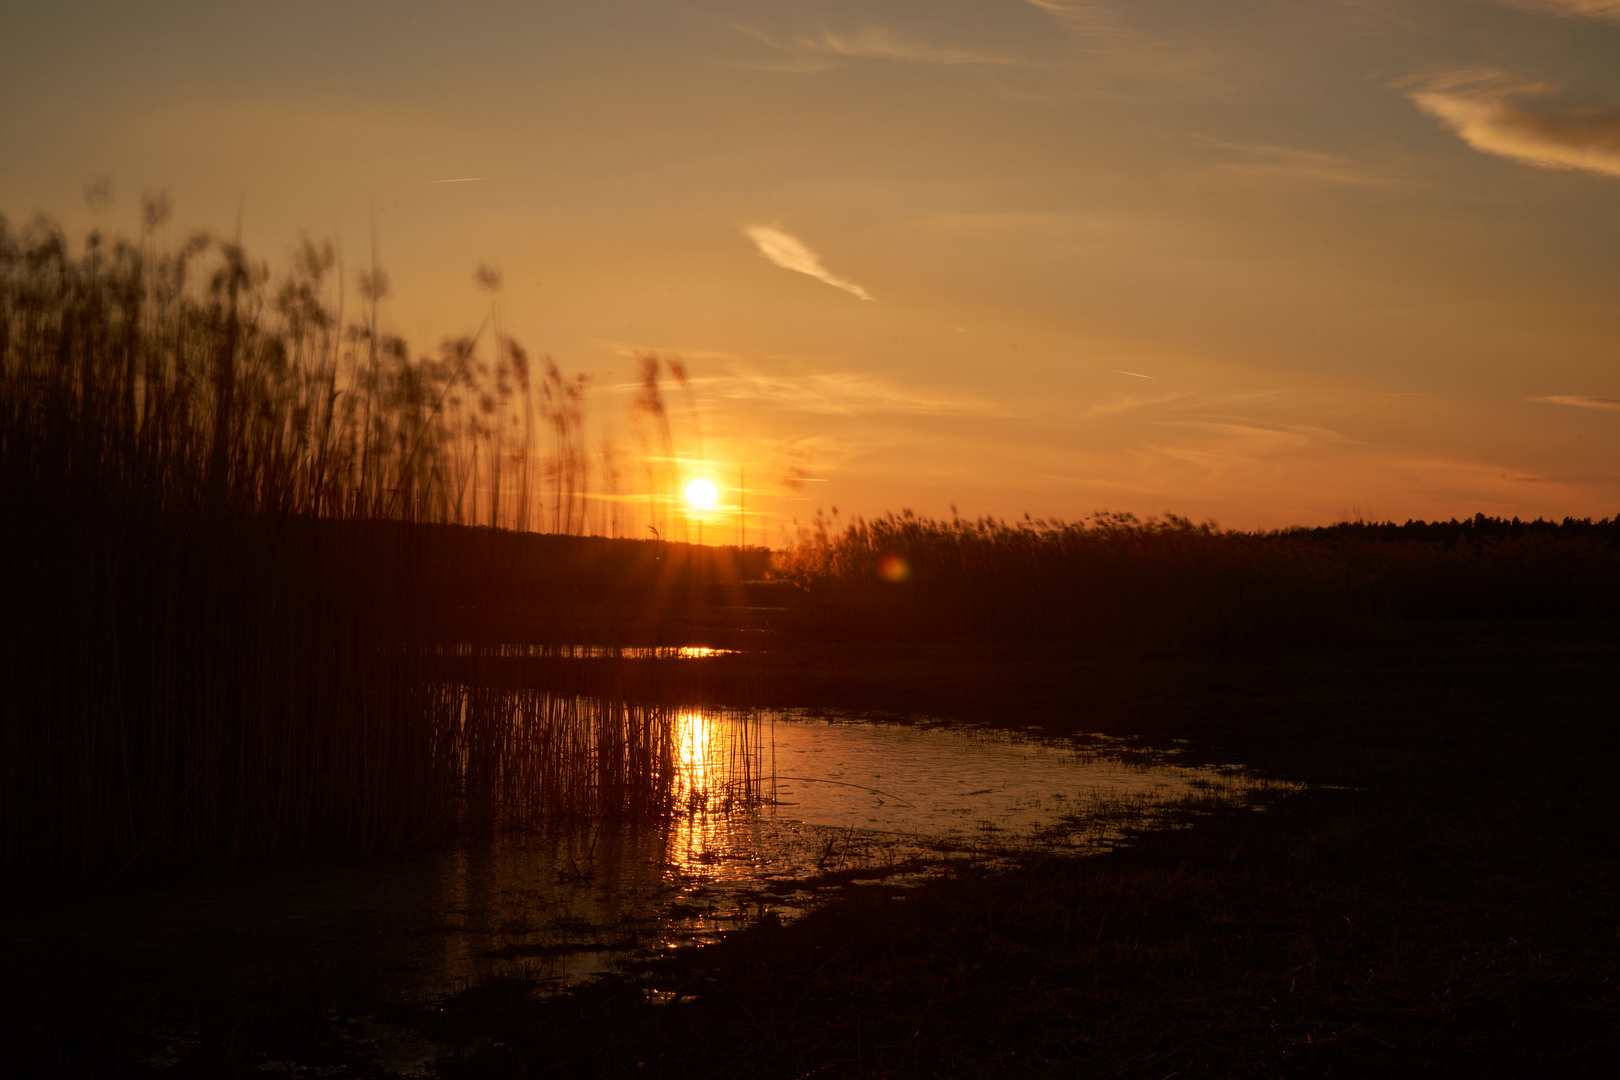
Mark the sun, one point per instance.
(702, 494)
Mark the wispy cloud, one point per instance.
(1089, 17)
(1523, 121)
(1208, 407)
(790, 253)
(1290, 163)
(1126, 403)
(846, 393)
(801, 387)
(1580, 402)
(1580, 9)
(877, 43)
(1096, 27)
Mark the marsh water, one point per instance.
(775, 808)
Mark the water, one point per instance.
(584, 652)
(778, 808)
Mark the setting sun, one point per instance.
(688, 480)
(702, 494)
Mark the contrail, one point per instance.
(789, 253)
(1133, 374)
(461, 180)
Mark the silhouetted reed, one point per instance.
(237, 539)
(183, 380)
(235, 529)
(225, 691)
(1117, 580)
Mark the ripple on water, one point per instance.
(777, 806)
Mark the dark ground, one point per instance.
(1449, 904)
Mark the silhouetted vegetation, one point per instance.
(242, 534)
(237, 529)
(1118, 580)
(272, 586)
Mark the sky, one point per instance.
(1261, 262)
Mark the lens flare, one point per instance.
(702, 494)
(893, 568)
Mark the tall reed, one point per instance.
(231, 537)
(1116, 580)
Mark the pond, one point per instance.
(775, 809)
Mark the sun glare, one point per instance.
(701, 494)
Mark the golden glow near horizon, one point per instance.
(702, 494)
(1308, 261)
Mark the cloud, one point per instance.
(1125, 403)
(876, 43)
(842, 393)
(1289, 163)
(1106, 36)
(1497, 116)
(1580, 402)
(801, 387)
(1181, 403)
(1088, 17)
(1579, 9)
(790, 253)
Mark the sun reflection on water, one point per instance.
(772, 811)
(719, 769)
(696, 777)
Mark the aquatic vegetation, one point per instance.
(239, 530)
(236, 524)
(1116, 580)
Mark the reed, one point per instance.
(239, 532)
(253, 689)
(1114, 580)
(187, 380)
(236, 529)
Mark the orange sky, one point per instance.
(1264, 263)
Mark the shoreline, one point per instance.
(1445, 901)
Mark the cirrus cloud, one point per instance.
(1524, 122)
(879, 43)
(791, 253)
(1580, 401)
(1580, 9)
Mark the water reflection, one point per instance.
(769, 810)
(583, 652)
(774, 807)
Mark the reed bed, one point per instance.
(1115, 580)
(522, 757)
(216, 691)
(240, 523)
(238, 520)
(223, 712)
